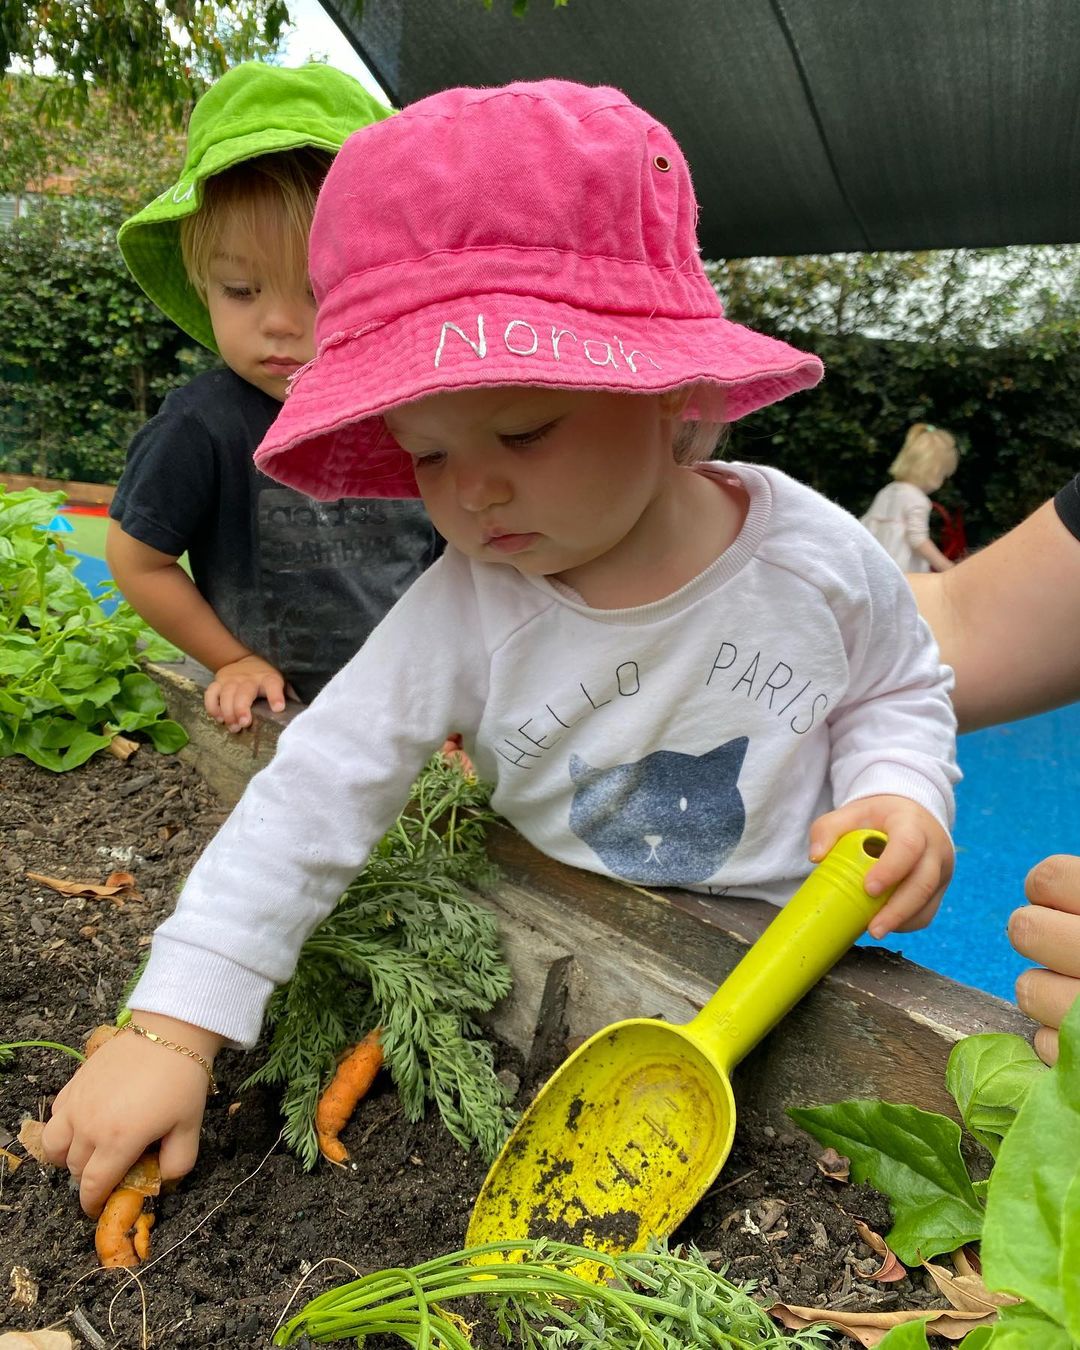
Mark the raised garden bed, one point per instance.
(235, 1241)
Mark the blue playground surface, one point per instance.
(93, 574)
(1019, 801)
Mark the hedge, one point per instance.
(85, 357)
(1015, 411)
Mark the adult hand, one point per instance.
(237, 685)
(1047, 930)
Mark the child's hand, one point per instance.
(127, 1096)
(237, 686)
(918, 858)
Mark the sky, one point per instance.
(313, 32)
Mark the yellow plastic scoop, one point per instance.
(627, 1136)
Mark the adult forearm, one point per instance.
(1008, 622)
(172, 604)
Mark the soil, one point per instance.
(236, 1240)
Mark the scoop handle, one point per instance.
(807, 937)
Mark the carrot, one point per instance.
(454, 753)
(113, 1237)
(99, 1037)
(141, 1238)
(355, 1073)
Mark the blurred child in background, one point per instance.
(899, 516)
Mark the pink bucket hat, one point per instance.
(537, 234)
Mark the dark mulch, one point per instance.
(234, 1242)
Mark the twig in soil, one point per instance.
(378, 1124)
(326, 1260)
(734, 1182)
(86, 1330)
(154, 807)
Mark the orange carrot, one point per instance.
(454, 753)
(99, 1037)
(355, 1073)
(141, 1237)
(113, 1237)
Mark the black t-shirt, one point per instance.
(300, 582)
(1068, 505)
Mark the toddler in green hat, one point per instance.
(283, 590)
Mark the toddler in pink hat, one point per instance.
(674, 671)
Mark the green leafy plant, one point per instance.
(1029, 1118)
(914, 1156)
(407, 951)
(69, 672)
(655, 1300)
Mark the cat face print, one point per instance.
(666, 820)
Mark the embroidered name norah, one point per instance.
(520, 338)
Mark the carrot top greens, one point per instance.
(407, 951)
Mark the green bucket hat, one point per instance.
(253, 110)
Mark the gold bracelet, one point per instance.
(180, 1050)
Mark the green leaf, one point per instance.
(1026, 1217)
(83, 747)
(1070, 1256)
(914, 1158)
(910, 1336)
(990, 1076)
(167, 736)
(140, 693)
(1021, 1326)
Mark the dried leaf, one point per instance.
(13, 1161)
(24, 1288)
(834, 1165)
(30, 1138)
(36, 1340)
(966, 1260)
(119, 887)
(122, 747)
(870, 1329)
(891, 1269)
(967, 1293)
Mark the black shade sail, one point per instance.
(811, 126)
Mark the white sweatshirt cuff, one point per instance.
(899, 780)
(205, 989)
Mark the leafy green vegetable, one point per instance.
(911, 1156)
(408, 951)
(655, 1300)
(914, 1156)
(1022, 1327)
(909, 1336)
(1032, 1232)
(69, 673)
(989, 1077)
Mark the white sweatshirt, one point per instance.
(688, 742)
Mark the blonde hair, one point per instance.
(928, 456)
(696, 442)
(269, 200)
